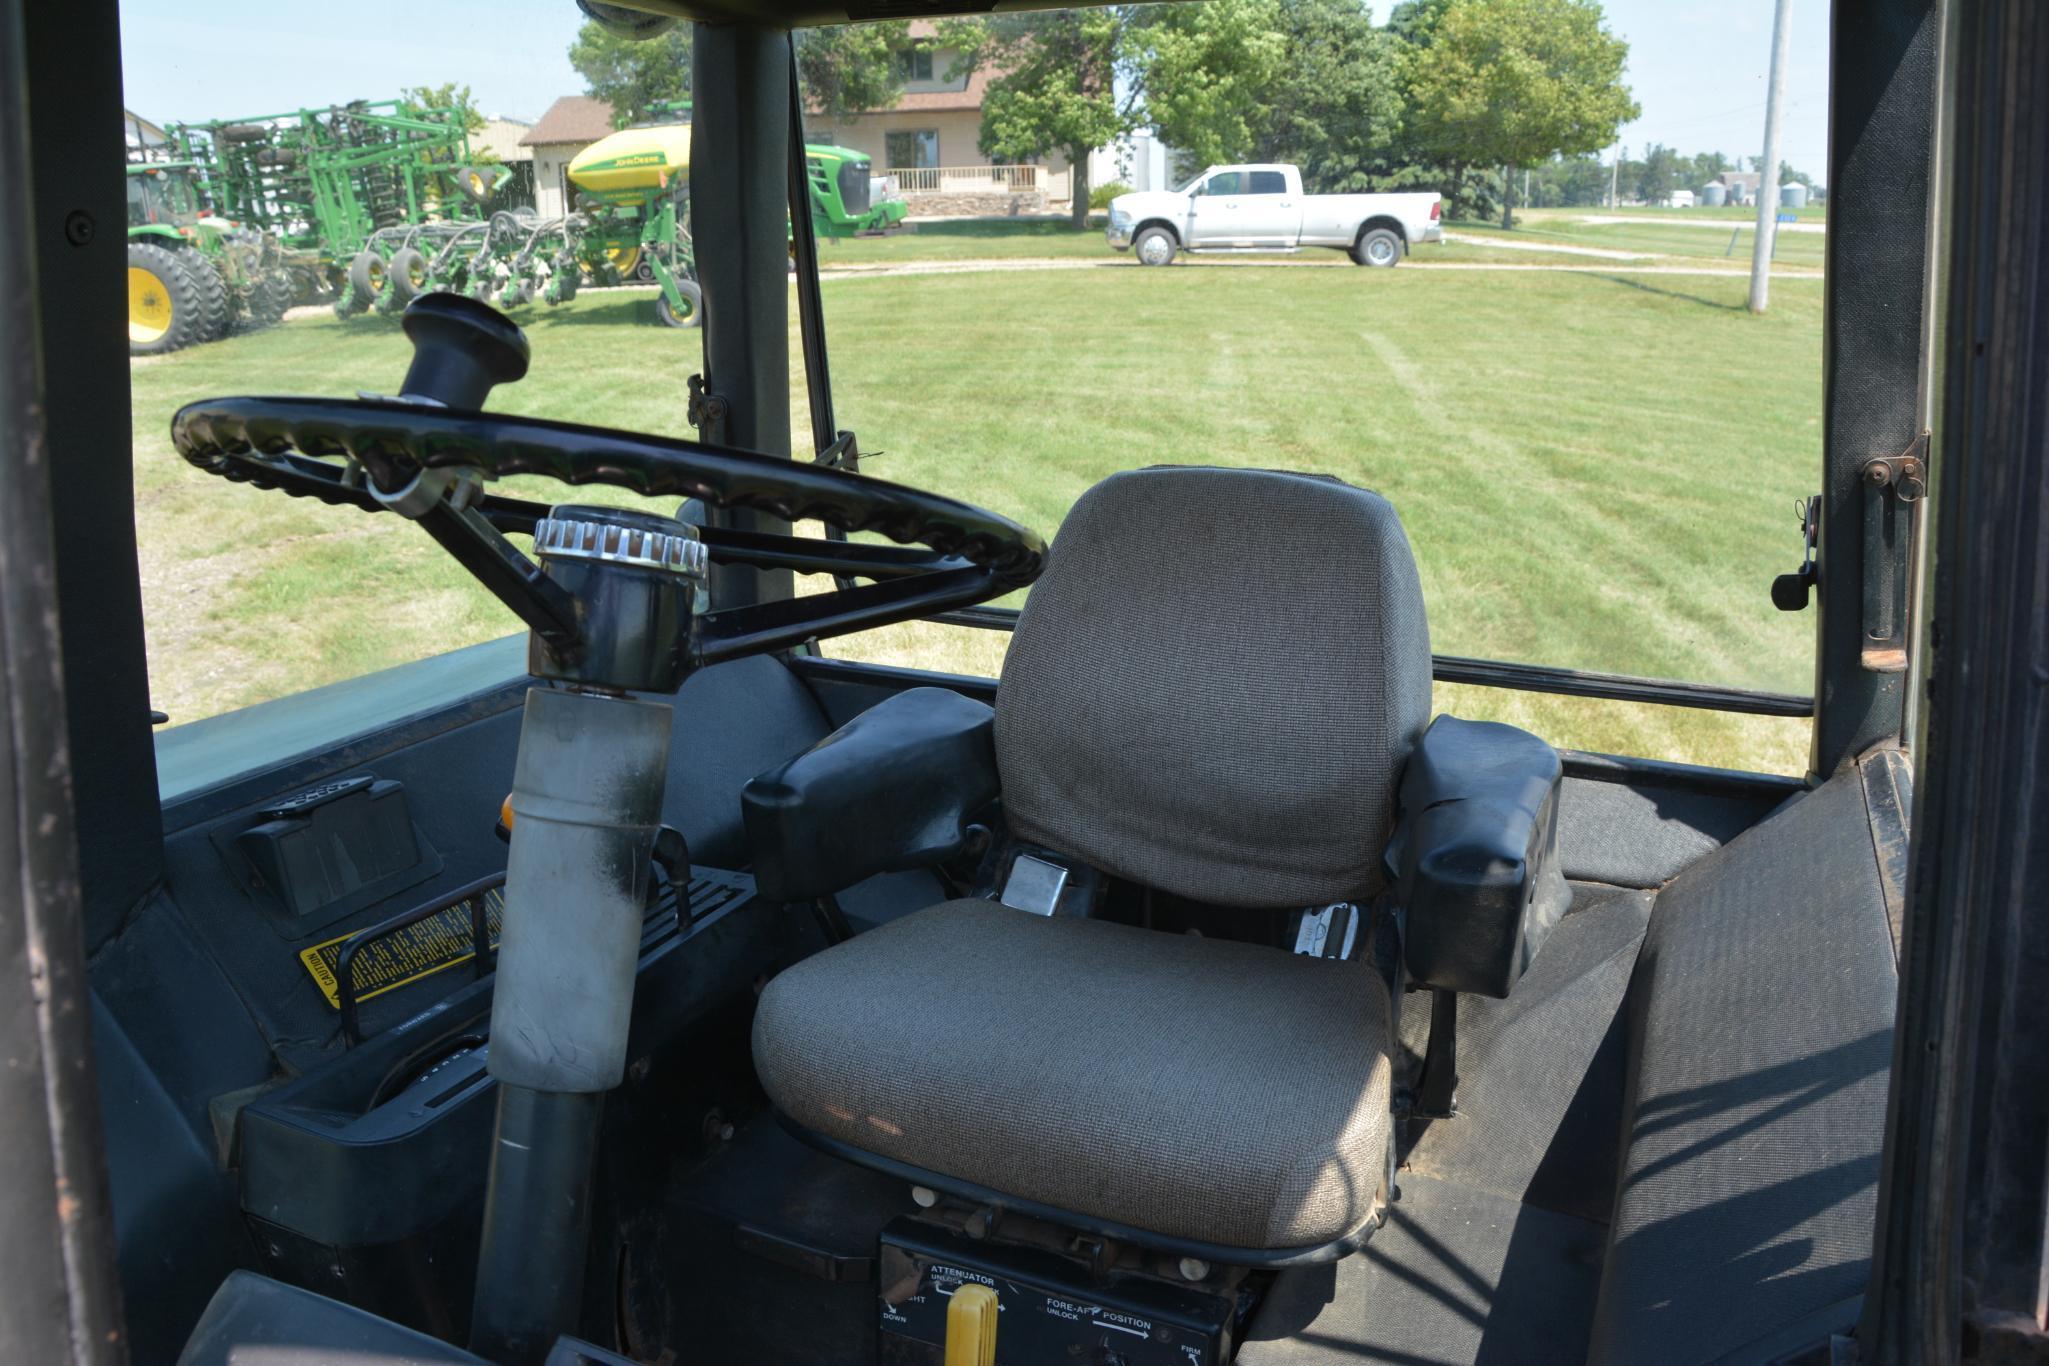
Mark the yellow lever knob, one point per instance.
(971, 1326)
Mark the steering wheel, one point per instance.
(423, 454)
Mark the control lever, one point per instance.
(462, 349)
(1790, 591)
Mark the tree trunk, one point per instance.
(1078, 180)
(1507, 198)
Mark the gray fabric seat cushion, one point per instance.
(1191, 1087)
(1214, 685)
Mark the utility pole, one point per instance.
(1768, 172)
(1614, 172)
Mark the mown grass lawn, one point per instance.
(1596, 469)
(1735, 213)
(999, 239)
(1707, 239)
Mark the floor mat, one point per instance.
(1456, 1276)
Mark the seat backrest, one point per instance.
(1214, 685)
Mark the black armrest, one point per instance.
(1475, 855)
(891, 789)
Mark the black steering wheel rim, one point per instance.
(284, 443)
(248, 439)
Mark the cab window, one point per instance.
(1223, 182)
(1268, 182)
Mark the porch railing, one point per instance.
(970, 179)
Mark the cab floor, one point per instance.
(1455, 1275)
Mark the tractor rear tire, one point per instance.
(408, 271)
(217, 306)
(164, 307)
(269, 297)
(693, 306)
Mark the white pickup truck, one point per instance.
(1262, 208)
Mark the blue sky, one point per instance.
(1697, 68)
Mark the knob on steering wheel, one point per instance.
(423, 453)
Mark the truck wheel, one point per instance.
(1378, 247)
(692, 312)
(408, 271)
(1155, 247)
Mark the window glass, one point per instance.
(912, 149)
(1537, 399)
(915, 63)
(1595, 449)
(1268, 182)
(249, 595)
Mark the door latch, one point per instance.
(1894, 486)
(1790, 591)
(707, 410)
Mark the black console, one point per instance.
(364, 1178)
(1052, 1308)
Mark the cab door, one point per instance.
(1272, 216)
(1220, 212)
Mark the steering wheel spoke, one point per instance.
(769, 626)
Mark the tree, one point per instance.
(1658, 175)
(1413, 21)
(1701, 168)
(420, 99)
(1207, 72)
(1570, 182)
(632, 74)
(1510, 83)
(1334, 107)
(852, 68)
(1057, 87)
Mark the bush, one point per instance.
(1101, 195)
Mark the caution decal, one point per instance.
(440, 941)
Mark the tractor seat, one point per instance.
(1211, 692)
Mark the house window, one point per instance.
(913, 150)
(915, 63)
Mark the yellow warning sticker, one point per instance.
(440, 941)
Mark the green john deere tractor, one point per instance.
(842, 200)
(192, 277)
